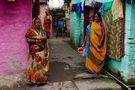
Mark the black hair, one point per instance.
(36, 18)
(91, 17)
(99, 15)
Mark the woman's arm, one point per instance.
(31, 38)
(29, 34)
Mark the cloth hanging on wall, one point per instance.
(89, 2)
(115, 30)
(117, 9)
(82, 5)
(114, 37)
(70, 6)
(74, 7)
(105, 7)
(77, 7)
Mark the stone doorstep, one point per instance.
(83, 81)
(10, 81)
(97, 84)
(66, 85)
(87, 84)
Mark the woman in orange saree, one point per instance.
(97, 47)
(47, 24)
(38, 63)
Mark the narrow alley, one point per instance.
(54, 45)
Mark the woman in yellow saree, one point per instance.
(97, 47)
(38, 63)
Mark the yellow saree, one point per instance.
(97, 48)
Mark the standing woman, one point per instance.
(38, 63)
(47, 23)
(97, 46)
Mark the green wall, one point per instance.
(76, 26)
(125, 68)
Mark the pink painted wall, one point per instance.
(15, 19)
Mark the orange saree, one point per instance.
(97, 48)
(47, 25)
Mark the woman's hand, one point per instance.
(33, 39)
(38, 40)
(41, 37)
(44, 37)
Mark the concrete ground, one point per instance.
(66, 72)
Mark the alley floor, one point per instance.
(66, 72)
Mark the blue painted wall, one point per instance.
(76, 27)
(125, 68)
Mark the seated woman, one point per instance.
(38, 63)
(97, 46)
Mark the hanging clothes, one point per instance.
(70, 6)
(115, 36)
(117, 9)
